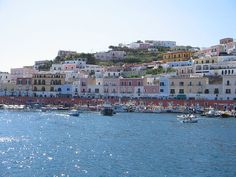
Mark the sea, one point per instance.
(50, 144)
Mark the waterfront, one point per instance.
(126, 144)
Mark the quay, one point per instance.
(218, 104)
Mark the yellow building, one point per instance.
(183, 86)
(208, 60)
(46, 82)
(177, 56)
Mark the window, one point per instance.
(228, 91)
(96, 90)
(181, 90)
(43, 82)
(162, 84)
(181, 83)
(162, 90)
(68, 89)
(43, 89)
(172, 91)
(52, 89)
(206, 91)
(130, 83)
(139, 83)
(35, 89)
(216, 91)
(172, 83)
(228, 83)
(190, 83)
(59, 89)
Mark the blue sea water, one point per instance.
(124, 145)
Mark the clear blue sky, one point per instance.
(36, 29)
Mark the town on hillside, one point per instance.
(142, 69)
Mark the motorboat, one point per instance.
(187, 118)
(107, 110)
(74, 112)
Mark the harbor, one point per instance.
(52, 143)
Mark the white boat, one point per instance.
(188, 118)
(74, 112)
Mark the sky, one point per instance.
(33, 30)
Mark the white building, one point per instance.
(5, 77)
(110, 55)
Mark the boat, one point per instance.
(189, 121)
(226, 114)
(74, 112)
(120, 108)
(107, 110)
(187, 118)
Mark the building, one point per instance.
(63, 53)
(151, 86)
(5, 77)
(25, 72)
(24, 86)
(131, 87)
(188, 87)
(110, 55)
(45, 84)
(226, 40)
(154, 43)
(229, 87)
(177, 56)
(111, 87)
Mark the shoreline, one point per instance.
(220, 104)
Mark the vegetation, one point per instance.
(159, 70)
(46, 66)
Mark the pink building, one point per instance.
(111, 86)
(26, 71)
(83, 86)
(131, 87)
(69, 67)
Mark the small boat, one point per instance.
(74, 112)
(189, 121)
(107, 110)
(188, 118)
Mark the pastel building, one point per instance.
(26, 71)
(229, 87)
(95, 87)
(8, 89)
(164, 86)
(177, 56)
(151, 87)
(131, 87)
(111, 87)
(183, 87)
(45, 84)
(24, 86)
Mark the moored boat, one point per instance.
(107, 110)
